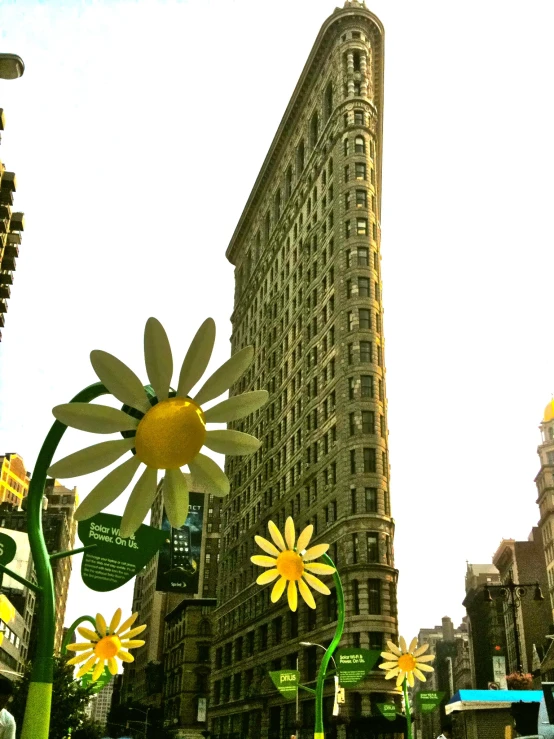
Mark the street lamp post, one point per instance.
(11, 66)
(145, 714)
(513, 593)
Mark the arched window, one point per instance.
(314, 130)
(356, 57)
(288, 182)
(345, 145)
(300, 155)
(359, 145)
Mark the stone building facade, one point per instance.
(308, 297)
(545, 500)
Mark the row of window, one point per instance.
(361, 228)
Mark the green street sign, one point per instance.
(354, 664)
(286, 682)
(427, 701)
(115, 560)
(97, 686)
(8, 548)
(388, 710)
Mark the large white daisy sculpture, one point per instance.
(164, 429)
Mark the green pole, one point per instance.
(407, 708)
(72, 629)
(319, 731)
(36, 723)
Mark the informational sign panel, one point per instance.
(19, 562)
(354, 664)
(286, 682)
(115, 559)
(180, 557)
(428, 700)
(8, 548)
(499, 672)
(102, 681)
(388, 710)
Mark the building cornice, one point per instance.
(291, 115)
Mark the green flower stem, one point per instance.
(319, 731)
(22, 580)
(37, 710)
(71, 552)
(407, 708)
(72, 628)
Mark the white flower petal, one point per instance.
(157, 357)
(139, 503)
(267, 546)
(421, 650)
(236, 407)
(176, 497)
(98, 419)
(225, 376)
(209, 476)
(196, 486)
(226, 441)
(197, 358)
(91, 459)
(107, 489)
(122, 382)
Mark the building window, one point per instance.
(347, 200)
(347, 229)
(376, 640)
(370, 460)
(363, 256)
(363, 287)
(354, 548)
(300, 154)
(350, 353)
(359, 145)
(364, 318)
(345, 145)
(374, 597)
(352, 419)
(353, 501)
(371, 500)
(346, 173)
(361, 226)
(360, 171)
(365, 352)
(358, 117)
(356, 597)
(352, 461)
(361, 199)
(368, 422)
(328, 101)
(263, 637)
(314, 130)
(350, 320)
(288, 183)
(351, 387)
(372, 548)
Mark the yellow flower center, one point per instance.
(406, 662)
(107, 647)
(290, 565)
(171, 434)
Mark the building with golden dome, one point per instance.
(545, 487)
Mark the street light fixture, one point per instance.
(313, 644)
(145, 714)
(11, 66)
(513, 593)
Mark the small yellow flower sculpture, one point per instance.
(165, 434)
(7, 613)
(106, 644)
(406, 662)
(289, 563)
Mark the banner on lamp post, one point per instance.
(286, 682)
(388, 710)
(354, 664)
(427, 701)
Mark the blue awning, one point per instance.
(472, 700)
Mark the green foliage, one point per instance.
(89, 730)
(69, 700)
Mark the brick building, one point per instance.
(308, 297)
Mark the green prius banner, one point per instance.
(428, 701)
(7, 549)
(388, 710)
(115, 560)
(286, 682)
(354, 664)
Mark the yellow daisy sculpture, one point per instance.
(292, 564)
(106, 645)
(7, 613)
(406, 662)
(166, 435)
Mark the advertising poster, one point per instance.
(180, 557)
(499, 672)
(353, 664)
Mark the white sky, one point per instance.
(136, 134)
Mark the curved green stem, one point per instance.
(72, 628)
(319, 731)
(407, 709)
(37, 709)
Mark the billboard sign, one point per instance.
(180, 557)
(499, 672)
